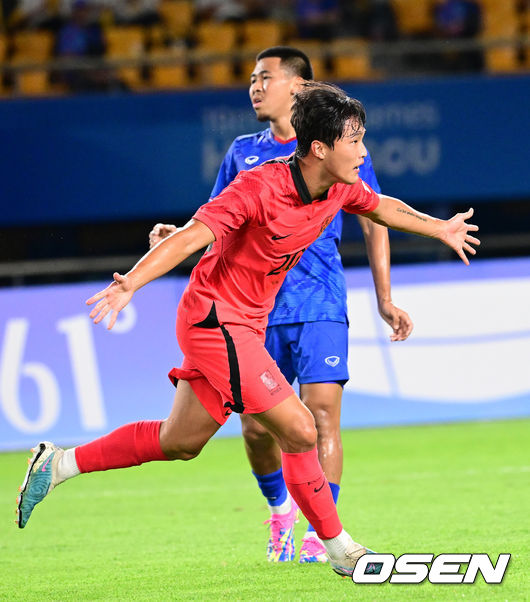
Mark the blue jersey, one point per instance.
(315, 289)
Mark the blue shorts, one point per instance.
(312, 352)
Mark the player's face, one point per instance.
(342, 162)
(271, 89)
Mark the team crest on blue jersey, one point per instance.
(332, 360)
(251, 160)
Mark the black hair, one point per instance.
(320, 112)
(291, 58)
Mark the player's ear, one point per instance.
(296, 83)
(318, 149)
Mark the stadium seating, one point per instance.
(157, 36)
(32, 47)
(211, 35)
(351, 59)
(525, 18)
(177, 16)
(3, 54)
(501, 22)
(258, 34)
(3, 47)
(500, 19)
(126, 43)
(223, 52)
(502, 60)
(414, 17)
(212, 38)
(170, 76)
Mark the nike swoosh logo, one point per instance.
(276, 237)
(43, 469)
(317, 490)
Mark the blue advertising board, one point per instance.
(66, 380)
(155, 155)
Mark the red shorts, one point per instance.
(228, 368)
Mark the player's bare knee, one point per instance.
(301, 437)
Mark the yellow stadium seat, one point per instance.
(413, 16)
(3, 52)
(32, 83)
(500, 19)
(259, 34)
(177, 16)
(3, 47)
(217, 73)
(506, 5)
(170, 76)
(220, 37)
(506, 27)
(32, 46)
(502, 60)
(525, 18)
(351, 59)
(126, 43)
(213, 38)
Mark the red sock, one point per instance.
(129, 445)
(310, 489)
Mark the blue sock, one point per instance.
(273, 487)
(335, 493)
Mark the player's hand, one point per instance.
(456, 235)
(159, 232)
(111, 299)
(398, 319)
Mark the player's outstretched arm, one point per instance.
(454, 232)
(158, 261)
(378, 250)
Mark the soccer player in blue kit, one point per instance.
(307, 331)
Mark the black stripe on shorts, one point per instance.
(211, 321)
(235, 378)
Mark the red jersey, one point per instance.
(262, 222)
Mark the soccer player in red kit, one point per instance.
(258, 227)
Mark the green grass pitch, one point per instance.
(193, 531)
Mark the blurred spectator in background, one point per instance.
(455, 20)
(281, 10)
(220, 10)
(317, 19)
(380, 21)
(371, 19)
(82, 36)
(35, 14)
(259, 9)
(8, 8)
(380, 24)
(134, 12)
(352, 17)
